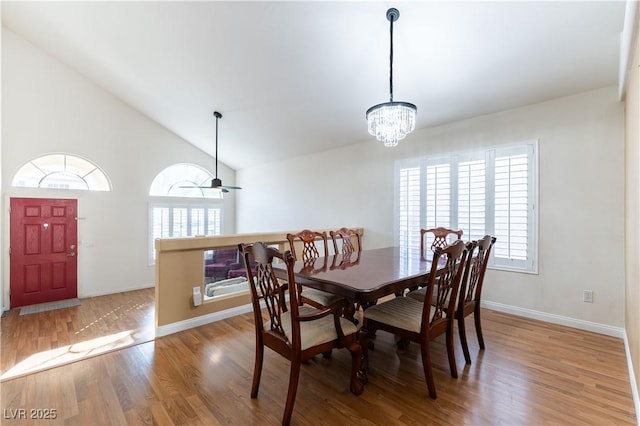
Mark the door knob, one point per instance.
(71, 254)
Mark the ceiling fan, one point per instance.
(216, 183)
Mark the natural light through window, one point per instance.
(183, 180)
(69, 353)
(61, 171)
(178, 209)
(491, 191)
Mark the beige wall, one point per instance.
(180, 268)
(632, 212)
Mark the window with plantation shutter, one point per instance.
(492, 191)
(513, 209)
(183, 219)
(178, 209)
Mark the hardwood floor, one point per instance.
(531, 373)
(100, 324)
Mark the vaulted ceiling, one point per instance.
(293, 78)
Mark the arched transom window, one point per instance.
(183, 180)
(61, 171)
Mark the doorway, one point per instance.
(43, 250)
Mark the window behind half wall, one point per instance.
(179, 208)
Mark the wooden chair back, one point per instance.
(439, 308)
(441, 237)
(268, 288)
(471, 287)
(346, 235)
(304, 244)
(309, 249)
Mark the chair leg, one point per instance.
(257, 369)
(463, 339)
(358, 377)
(451, 354)
(426, 366)
(291, 393)
(476, 317)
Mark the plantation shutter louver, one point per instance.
(471, 199)
(409, 209)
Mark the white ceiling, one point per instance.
(292, 78)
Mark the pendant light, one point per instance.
(391, 121)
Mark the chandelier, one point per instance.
(391, 121)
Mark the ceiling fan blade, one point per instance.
(230, 187)
(217, 187)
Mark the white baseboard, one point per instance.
(120, 290)
(556, 319)
(175, 327)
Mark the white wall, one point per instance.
(581, 207)
(48, 107)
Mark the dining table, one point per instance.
(362, 277)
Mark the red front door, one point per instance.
(44, 261)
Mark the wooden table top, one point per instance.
(364, 276)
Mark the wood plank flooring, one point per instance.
(100, 324)
(531, 373)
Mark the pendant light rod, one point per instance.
(392, 15)
(217, 115)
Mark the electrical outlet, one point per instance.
(197, 296)
(587, 296)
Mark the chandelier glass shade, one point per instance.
(391, 121)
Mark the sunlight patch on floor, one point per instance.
(65, 354)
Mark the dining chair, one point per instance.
(421, 322)
(297, 332)
(470, 291)
(308, 253)
(346, 235)
(441, 238)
